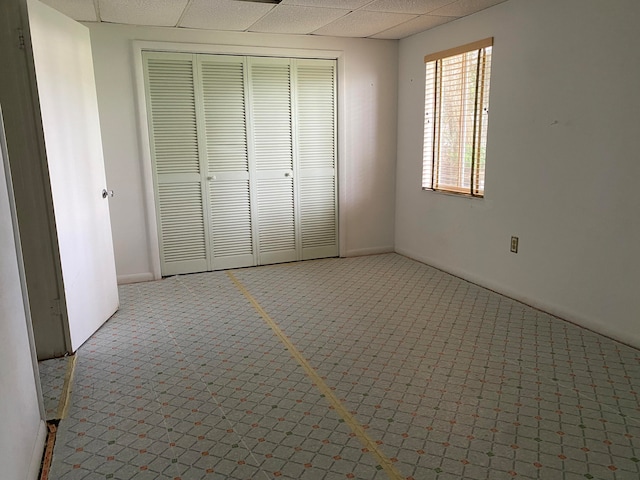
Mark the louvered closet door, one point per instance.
(228, 188)
(173, 128)
(315, 120)
(273, 163)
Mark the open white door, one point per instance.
(69, 108)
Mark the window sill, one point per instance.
(453, 194)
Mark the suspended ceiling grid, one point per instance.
(384, 19)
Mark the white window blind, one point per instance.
(456, 117)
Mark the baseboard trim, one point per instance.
(38, 451)
(135, 278)
(360, 252)
(555, 310)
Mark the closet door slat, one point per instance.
(315, 116)
(174, 144)
(244, 159)
(224, 107)
(270, 87)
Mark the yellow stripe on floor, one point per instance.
(65, 395)
(348, 418)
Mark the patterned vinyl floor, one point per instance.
(372, 368)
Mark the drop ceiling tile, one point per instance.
(363, 24)
(417, 25)
(407, 6)
(142, 12)
(296, 20)
(344, 4)
(79, 10)
(460, 8)
(223, 14)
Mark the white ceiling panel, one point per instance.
(142, 12)
(460, 8)
(406, 6)
(344, 4)
(223, 14)
(417, 25)
(362, 23)
(297, 20)
(80, 10)
(384, 19)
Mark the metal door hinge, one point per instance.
(21, 43)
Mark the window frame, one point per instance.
(433, 134)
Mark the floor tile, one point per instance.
(449, 380)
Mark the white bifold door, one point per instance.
(244, 159)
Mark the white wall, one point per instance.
(562, 161)
(23, 431)
(368, 145)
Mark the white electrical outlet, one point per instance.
(514, 244)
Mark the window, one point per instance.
(455, 121)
